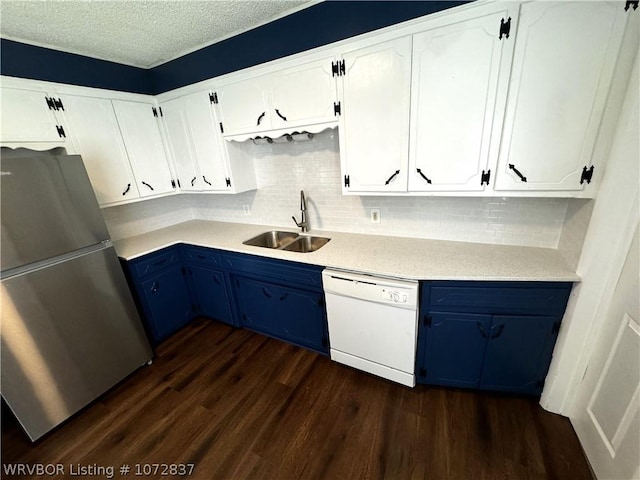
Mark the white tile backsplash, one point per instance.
(282, 170)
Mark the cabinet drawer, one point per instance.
(156, 262)
(202, 256)
(276, 271)
(524, 299)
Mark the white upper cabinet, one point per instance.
(141, 134)
(456, 73)
(199, 153)
(303, 95)
(93, 128)
(296, 98)
(374, 121)
(30, 116)
(565, 53)
(244, 106)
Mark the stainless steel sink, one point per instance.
(289, 241)
(272, 239)
(306, 244)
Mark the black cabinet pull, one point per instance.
(126, 189)
(483, 332)
(260, 118)
(499, 332)
(205, 180)
(266, 292)
(280, 115)
(392, 177)
(147, 185)
(193, 181)
(517, 172)
(423, 176)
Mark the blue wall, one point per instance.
(321, 24)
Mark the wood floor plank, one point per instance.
(243, 406)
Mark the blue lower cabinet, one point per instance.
(479, 336)
(158, 281)
(209, 289)
(519, 350)
(289, 314)
(455, 348)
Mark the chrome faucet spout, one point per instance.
(303, 224)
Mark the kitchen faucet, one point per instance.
(303, 224)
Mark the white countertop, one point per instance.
(400, 257)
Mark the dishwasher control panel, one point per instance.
(393, 296)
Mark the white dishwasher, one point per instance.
(373, 323)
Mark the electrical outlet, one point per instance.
(375, 215)
(246, 210)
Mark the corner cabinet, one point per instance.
(201, 158)
(565, 54)
(374, 117)
(489, 335)
(158, 280)
(297, 98)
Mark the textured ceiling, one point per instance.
(142, 33)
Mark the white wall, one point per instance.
(284, 169)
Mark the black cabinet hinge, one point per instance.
(213, 98)
(50, 103)
(221, 128)
(505, 28)
(337, 68)
(60, 130)
(426, 320)
(337, 109)
(173, 184)
(160, 110)
(58, 104)
(227, 181)
(347, 183)
(587, 173)
(423, 372)
(630, 3)
(155, 111)
(178, 182)
(484, 178)
(556, 328)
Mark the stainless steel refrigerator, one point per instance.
(70, 329)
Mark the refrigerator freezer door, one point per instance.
(48, 207)
(69, 332)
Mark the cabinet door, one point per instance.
(374, 124)
(143, 142)
(243, 106)
(26, 117)
(181, 144)
(302, 320)
(94, 130)
(167, 298)
(518, 353)
(564, 57)
(455, 74)
(303, 96)
(455, 349)
(210, 290)
(258, 305)
(208, 147)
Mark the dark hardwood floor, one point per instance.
(239, 405)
